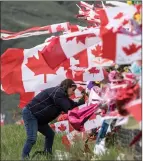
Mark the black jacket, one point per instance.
(49, 104)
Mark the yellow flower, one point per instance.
(126, 69)
(129, 2)
(137, 17)
(97, 82)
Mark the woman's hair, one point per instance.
(67, 83)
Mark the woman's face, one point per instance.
(71, 91)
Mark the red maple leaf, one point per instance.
(59, 28)
(94, 70)
(83, 59)
(69, 74)
(133, 48)
(66, 64)
(62, 127)
(81, 38)
(39, 66)
(70, 38)
(97, 51)
(119, 15)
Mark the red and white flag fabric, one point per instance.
(135, 109)
(37, 30)
(86, 5)
(28, 65)
(116, 17)
(70, 138)
(59, 48)
(92, 57)
(88, 12)
(101, 62)
(25, 71)
(117, 3)
(61, 126)
(124, 49)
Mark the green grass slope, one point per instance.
(13, 137)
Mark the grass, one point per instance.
(13, 137)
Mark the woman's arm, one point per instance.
(65, 103)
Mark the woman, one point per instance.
(44, 108)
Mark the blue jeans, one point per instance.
(32, 127)
(102, 132)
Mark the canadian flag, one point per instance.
(86, 5)
(124, 49)
(93, 123)
(62, 127)
(95, 73)
(83, 64)
(35, 31)
(88, 12)
(65, 46)
(25, 71)
(99, 61)
(87, 57)
(115, 17)
(90, 57)
(70, 138)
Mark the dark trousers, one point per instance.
(32, 127)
